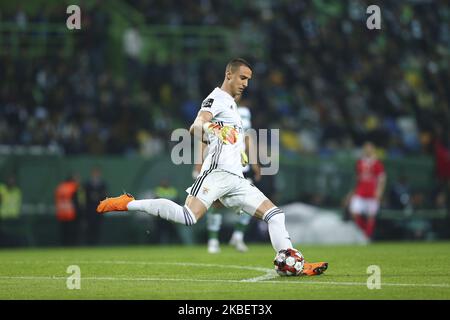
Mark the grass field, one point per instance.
(408, 271)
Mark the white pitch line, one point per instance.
(364, 284)
(186, 264)
(269, 273)
(266, 278)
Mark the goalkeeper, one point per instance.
(252, 172)
(221, 175)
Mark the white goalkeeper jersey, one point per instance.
(225, 112)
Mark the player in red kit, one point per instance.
(371, 182)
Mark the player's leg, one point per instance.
(275, 219)
(250, 199)
(356, 210)
(372, 210)
(359, 220)
(279, 236)
(247, 197)
(188, 214)
(202, 194)
(370, 226)
(237, 238)
(213, 224)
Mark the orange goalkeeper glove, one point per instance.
(228, 135)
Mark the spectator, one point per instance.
(10, 206)
(400, 194)
(95, 190)
(10, 199)
(68, 210)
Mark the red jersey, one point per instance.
(368, 172)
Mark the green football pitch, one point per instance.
(406, 271)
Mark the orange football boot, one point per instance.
(314, 268)
(115, 204)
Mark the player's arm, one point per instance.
(202, 124)
(197, 129)
(381, 185)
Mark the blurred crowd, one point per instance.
(326, 80)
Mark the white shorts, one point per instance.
(233, 191)
(364, 206)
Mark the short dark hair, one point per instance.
(236, 63)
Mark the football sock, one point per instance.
(359, 220)
(277, 230)
(238, 235)
(213, 223)
(165, 209)
(370, 227)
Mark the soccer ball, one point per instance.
(289, 262)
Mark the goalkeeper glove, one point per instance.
(228, 135)
(244, 158)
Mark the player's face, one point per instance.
(238, 80)
(369, 149)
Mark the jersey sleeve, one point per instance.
(379, 168)
(212, 105)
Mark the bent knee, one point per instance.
(264, 208)
(274, 214)
(196, 206)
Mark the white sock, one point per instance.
(165, 209)
(238, 236)
(277, 229)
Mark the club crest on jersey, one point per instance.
(205, 190)
(207, 103)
